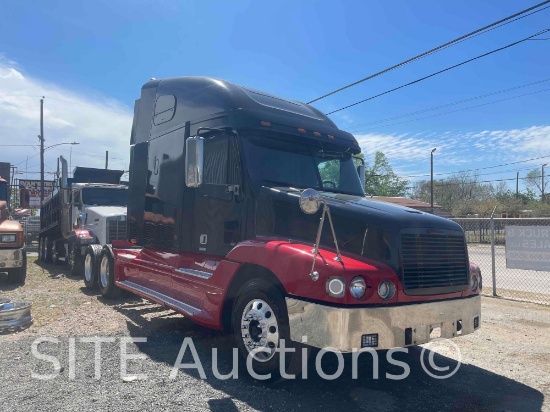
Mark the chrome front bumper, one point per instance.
(11, 258)
(396, 326)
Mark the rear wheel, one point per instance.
(47, 250)
(106, 279)
(41, 249)
(91, 262)
(54, 252)
(260, 323)
(18, 275)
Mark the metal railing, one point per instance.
(525, 278)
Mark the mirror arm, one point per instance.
(326, 211)
(315, 275)
(338, 257)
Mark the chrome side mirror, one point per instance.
(194, 158)
(310, 201)
(82, 217)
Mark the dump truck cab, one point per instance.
(13, 257)
(85, 212)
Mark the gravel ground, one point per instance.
(504, 366)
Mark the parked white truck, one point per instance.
(84, 213)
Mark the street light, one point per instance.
(542, 186)
(432, 179)
(42, 150)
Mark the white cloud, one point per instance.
(459, 150)
(97, 124)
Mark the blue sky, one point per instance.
(90, 59)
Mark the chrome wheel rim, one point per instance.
(104, 271)
(260, 330)
(88, 268)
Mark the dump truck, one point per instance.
(246, 213)
(13, 256)
(82, 214)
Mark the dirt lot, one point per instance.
(505, 365)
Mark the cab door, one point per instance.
(217, 220)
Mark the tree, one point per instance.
(533, 181)
(381, 180)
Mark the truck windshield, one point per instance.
(278, 160)
(100, 196)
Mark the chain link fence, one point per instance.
(31, 230)
(519, 270)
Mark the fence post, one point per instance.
(493, 268)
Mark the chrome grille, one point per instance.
(434, 261)
(116, 230)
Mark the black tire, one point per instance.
(106, 275)
(41, 249)
(54, 252)
(19, 275)
(47, 250)
(75, 261)
(249, 296)
(91, 264)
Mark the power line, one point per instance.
(454, 111)
(460, 39)
(387, 119)
(487, 174)
(440, 71)
(482, 168)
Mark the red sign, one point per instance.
(33, 186)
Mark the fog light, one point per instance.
(476, 322)
(336, 287)
(386, 289)
(369, 341)
(357, 287)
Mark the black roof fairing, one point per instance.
(203, 98)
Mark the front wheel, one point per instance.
(91, 262)
(106, 279)
(260, 323)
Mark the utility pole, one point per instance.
(106, 159)
(432, 179)
(542, 187)
(517, 185)
(41, 137)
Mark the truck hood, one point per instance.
(279, 215)
(107, 211)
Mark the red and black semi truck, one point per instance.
(246, 212)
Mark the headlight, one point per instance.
(473, 283)
(336, 287)
(357, 287)
(386, 289)
(8, 238)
